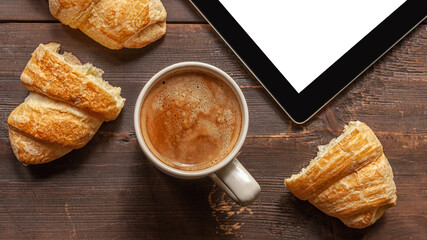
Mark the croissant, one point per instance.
(67, 105)
(350, 178)
(114, 23)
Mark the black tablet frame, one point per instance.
(302, 106)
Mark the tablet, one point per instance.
(305, 52)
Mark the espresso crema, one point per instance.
(191, 120)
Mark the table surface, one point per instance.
(109, 190)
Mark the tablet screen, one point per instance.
(304, 38)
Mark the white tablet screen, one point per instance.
(303, 38)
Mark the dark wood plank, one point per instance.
(108, 189)
(38, 10)
(402, 69)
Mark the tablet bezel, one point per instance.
(300, 107)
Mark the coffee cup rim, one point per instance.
(202, 67)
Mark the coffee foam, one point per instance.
(191, 120)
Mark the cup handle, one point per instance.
(237, 182)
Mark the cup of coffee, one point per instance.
(191, 120)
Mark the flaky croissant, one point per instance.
(67, 105)
(114, 23)
(350, 178)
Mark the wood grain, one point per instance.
(109, 190)
(38, 10)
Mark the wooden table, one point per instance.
(109, 190)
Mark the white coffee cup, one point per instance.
(229, 174)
